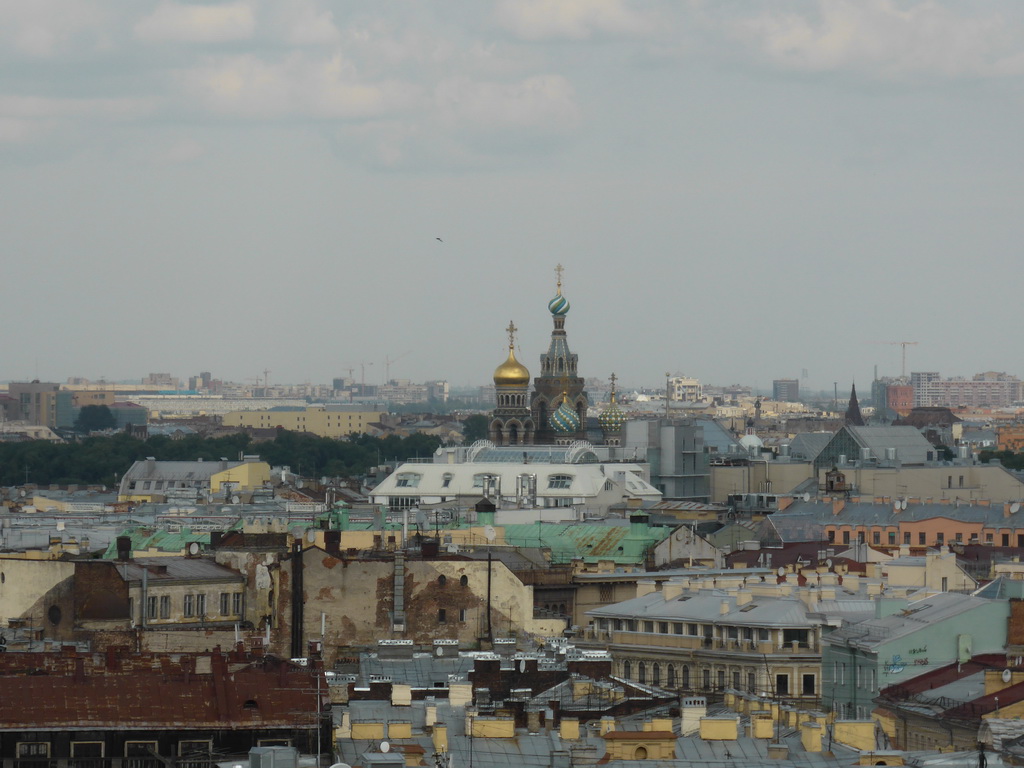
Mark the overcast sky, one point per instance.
(738, 190)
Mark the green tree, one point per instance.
(93, 418)
(474, 428)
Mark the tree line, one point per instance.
(103, 460)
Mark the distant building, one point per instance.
(42, 403)
(675, 452)
(984, 390)
(318, 420)
(154, 481)
(684, 389)
(786, 390)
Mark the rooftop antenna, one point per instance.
(667, 379)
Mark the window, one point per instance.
(671, 681)
(736, 679)
(236, 603)
(876, 537)
(808, 685)
(721, 678)
(733, 633)
(626, 670)
(648, 626)
(442, 580)
(988, 538)
(656, 674)
(945, 583)
(961, 481)
(686, 676)
(641, 672)
(86, 754)
(782, 684)
(462, 614)
(408, 479)
(906, 537)
(751, 682)
(140, 754)
(194, 753)
(663, 627)
(559, 482)
(605, 593)
(677, 628)
(165, 606)
(446, 479)
(940, 538)
(225, 604)
(275, 742)
(478, 480)
(463, 580)
(442, 617)
(691, 630)
(921, 538)
(798, 636)
(188, 606)
(892, 537)
(846, 537)
(831, 537)
(707, 679)
(151, 607)
(201, 605)
(959, 536)
(29, 749)
(1005, 537)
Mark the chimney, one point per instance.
(124, 548)
(837, 506)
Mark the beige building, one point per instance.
(325, 422)
(963, 482)
(757, 477)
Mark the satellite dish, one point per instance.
(235, 499)
(1007, 675)
(807, 497)
(896, 506)
(522, 665)
(1015, 508)
(828, 563)
(439, 651)
(489, 532)
(341, 765)
(903, 504)
(782, 570)
(385, 747)
(311, 536)
(193, 548)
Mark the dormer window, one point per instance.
(408, 479)
(446, 479)
(559, 482)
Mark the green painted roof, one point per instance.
(589, 542)
(160, 540)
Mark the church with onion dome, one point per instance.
(555, 412)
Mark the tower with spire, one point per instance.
(512, 423)
(558, 404)
(853, 416)
(611, 419)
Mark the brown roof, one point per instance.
(68, 690)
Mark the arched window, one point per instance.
(671, 682)
(656, 674)
(626, 670)
(441, 580)
(686, 676)
(463, 580)
(641, 672)
(559, 481)
(640, 753)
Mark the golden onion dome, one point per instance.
(511, 373)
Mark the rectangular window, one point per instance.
(763, 635)
(275, 742)
(988, 538)
(846, 537)
(165, 606)
(236, 603)
(892, 537)
(189, 748)
(663, 627)
(736, 679)
(188, 606)
(945, 583)
(782, 684)
(30, 749)
(1005, 537)
(151, 607)
(921, 538)
(225, 604)
(831, 537)
(940, 538)
(707, 679)
(462, 614)
(733, 633)
(959, 536)
(605, 593)
(648, 626)
(677, 628)
(200, 605)
(140, 754)
(442, 616)
(691, 630)
(86, 754)
(876, 537)
(721, 678)
(906, 537)
(808, 685)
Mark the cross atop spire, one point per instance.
(511, 334)
(558, 271)
(614, 378)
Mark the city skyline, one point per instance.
(738, 192)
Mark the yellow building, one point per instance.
(317, 420)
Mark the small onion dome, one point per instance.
(612, 418)
(751, 441)
(558, 305)
(511, 373)
(565, 420)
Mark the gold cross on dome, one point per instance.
(558, 271)
(614, 378)
(511, 333)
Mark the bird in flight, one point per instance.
(439, 239)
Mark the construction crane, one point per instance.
(904, 344)
(266, 377)
(387, 364)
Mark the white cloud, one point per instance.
(883, 38)
(544, 103)
(309, 25)
(179, 22)
(572, 19)
(297, 86)
(46, 28)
